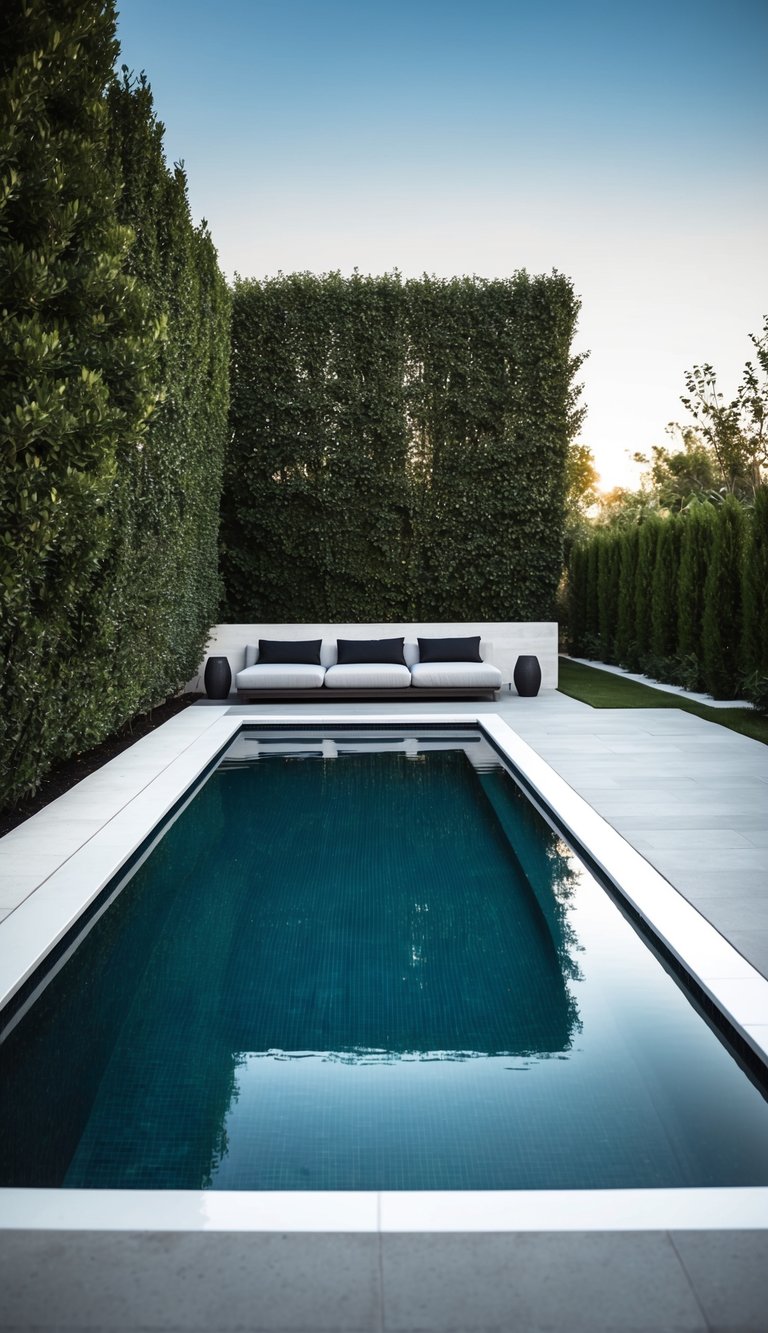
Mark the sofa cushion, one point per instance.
(291, 650)
(368, 676)
(370, 650)
(276, 676)
(456, 675)
(450, 650)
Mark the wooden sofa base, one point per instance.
(324, 696)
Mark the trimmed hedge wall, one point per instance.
(691, 606)
(398, 448)
(112, 400)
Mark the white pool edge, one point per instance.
(143, 797)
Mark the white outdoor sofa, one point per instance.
(357, 668)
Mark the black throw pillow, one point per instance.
(274, 652)
(450, 650)
(370, 650)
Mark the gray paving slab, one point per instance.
(164, 1281)
(585, 1283)
(729, 1274)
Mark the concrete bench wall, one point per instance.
(508, 639)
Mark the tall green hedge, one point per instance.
(109, 472)
(689, 603)
(698, 526)
(625, 646)
(754, 650)
(721, 634)
(398, 448)
(664, 584)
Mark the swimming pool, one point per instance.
(453, 1071)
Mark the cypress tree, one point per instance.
(722, 603)
(625, 627)
(608, 593)
(576, 599)
(78, 352)
(647, 545)
(754, 653)
(591, 597)
(664, 592)
(697, 538)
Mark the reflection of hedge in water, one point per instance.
(544, 860)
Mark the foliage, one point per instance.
(608, 566)
(755, 689)
(721, 635)
(736, 432)
(647, 547)
(79, 370)
(91, 341)
(696, 541)
(678, 476)
(754, 651)
(581, 495)
(160, 582)
(626, 650)
(664, 585)
(399, 448)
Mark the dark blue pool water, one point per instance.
(369, 970)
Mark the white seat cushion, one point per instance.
(288, 676)
(456, 675)
(367, 676)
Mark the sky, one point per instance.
(623, 145)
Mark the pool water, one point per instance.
(369, 964)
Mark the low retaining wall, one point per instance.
(508, 639)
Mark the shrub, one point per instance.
(754, 652)
(626, 631)
(647, 547)
(696, 541)
(664, 590)
(722, 603)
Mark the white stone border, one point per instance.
(140, 800)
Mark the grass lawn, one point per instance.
(601, 689)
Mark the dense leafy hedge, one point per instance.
(112, 397)
(691, 605)
(398, 448)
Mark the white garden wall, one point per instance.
(505, 640)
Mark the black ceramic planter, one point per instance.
(527, 675)
(218, 678)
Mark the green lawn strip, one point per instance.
(601, 689)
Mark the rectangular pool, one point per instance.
(365, 961)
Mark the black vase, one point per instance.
(527, 675)
(218, 678)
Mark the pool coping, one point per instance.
(137, 790)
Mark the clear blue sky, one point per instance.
(623, 145)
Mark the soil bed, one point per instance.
(70, 771)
